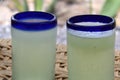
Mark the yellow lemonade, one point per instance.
(33, 54)
(90, 58)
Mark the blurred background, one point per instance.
(63, 9)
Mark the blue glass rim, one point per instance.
(18, 21)
(109, 23)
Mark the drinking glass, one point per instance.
(91, 40)
(34, 45)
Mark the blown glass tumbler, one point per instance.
(91, 41)
(34, 45)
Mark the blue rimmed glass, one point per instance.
(22, 21)
(109, 23)
(34, 45)
(90, 40)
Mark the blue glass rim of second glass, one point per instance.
(109, 23)
(18, 21)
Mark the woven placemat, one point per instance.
(61, 72)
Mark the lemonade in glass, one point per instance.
(34, 45)
(90, 43)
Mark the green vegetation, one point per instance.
(38, 5)
(22, 5)
(111, 8)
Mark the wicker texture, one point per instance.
(61, 72)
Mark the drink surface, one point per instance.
(90, 58)
(90, 23)
(34, 20)
(33, 54)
